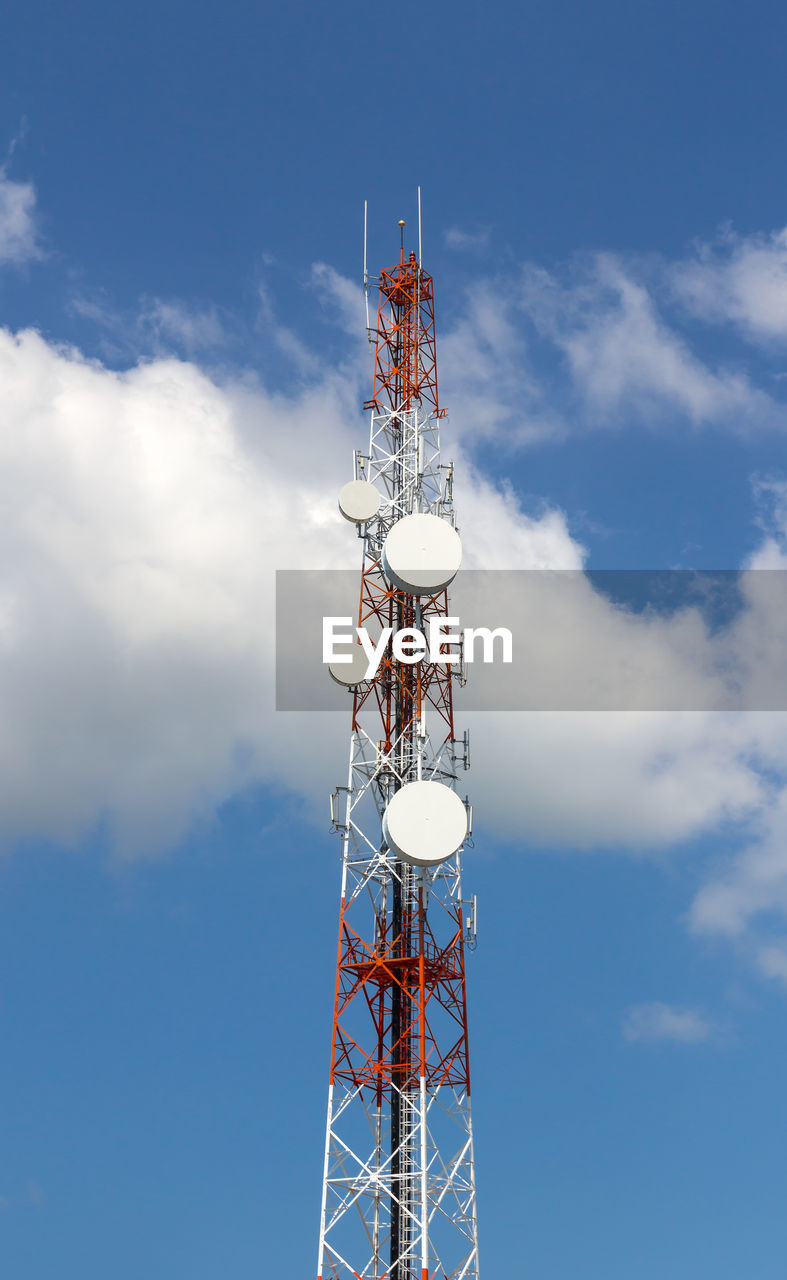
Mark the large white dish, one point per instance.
(425, 823)
(421, 554)
(350, 673)
(359, 501)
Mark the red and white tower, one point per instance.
(398, 1199)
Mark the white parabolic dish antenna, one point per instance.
(353, 672)
(425, 823)
(359, 501)
(421, 554)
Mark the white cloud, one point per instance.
(143, 515)
(18, 226)
(652, 1023)
(622, 355)
(455, 238)
(771, 498)
(486, 376)
(301, 359)
(343, 300)
(499, 534)
(755, 881)
(188, 329)
(155, 327)
(773, 961)
(627, 780)
(750, 889)
(741, 280)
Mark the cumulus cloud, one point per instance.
(754, 883)
(743, 896)
(485, 365)
(500, 534)
(343, 301)
(740, 280)
(144, 512)
(653, 1023)
(154, 327)
(611, 780)
(18, 225)
(621, 354)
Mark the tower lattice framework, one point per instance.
(398, 1199)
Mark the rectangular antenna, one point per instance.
(420, 259)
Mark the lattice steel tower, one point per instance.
(398, 1200)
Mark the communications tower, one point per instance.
(398, 1197)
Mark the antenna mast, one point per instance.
(398, 1198)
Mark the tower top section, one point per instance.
(405, 363)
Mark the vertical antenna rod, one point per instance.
(420, 255)
(365, 268)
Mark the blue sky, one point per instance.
(182, 365)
